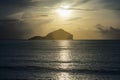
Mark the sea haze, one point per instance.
(60, 60)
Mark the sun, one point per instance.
(64, 11)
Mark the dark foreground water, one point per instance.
(59, 60)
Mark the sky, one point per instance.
(85, 19)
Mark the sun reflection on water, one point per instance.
(64, 57)
(64, 43)
(64, 76)
(64, 54)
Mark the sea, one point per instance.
(60, 60)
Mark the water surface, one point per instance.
(60, 60)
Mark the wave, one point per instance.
(49, 69)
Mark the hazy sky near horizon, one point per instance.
(85, 19)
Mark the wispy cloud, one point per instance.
(111, 33)
(82, 9)
(75, 18)
(110, 4)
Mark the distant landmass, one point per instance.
(59, 34)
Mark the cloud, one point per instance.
(76, 18)
(80, 2)
(101, 4)
(110, 4)
(82, 9)
(3, 21)
(9, 7)
(13, 6)
(111, 33)
(83, 1)
(48, 3)
(34, 16)
(21, 29)
(14, 29)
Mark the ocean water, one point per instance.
(60, 60)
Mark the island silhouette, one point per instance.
(59, 34)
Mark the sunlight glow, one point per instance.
(63, 11)
(65, 6)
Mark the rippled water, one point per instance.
(60, 60)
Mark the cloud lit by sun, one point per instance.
(63, 11)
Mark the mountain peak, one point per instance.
(60, 30)
(59, 34)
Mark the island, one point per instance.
(59, 34)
